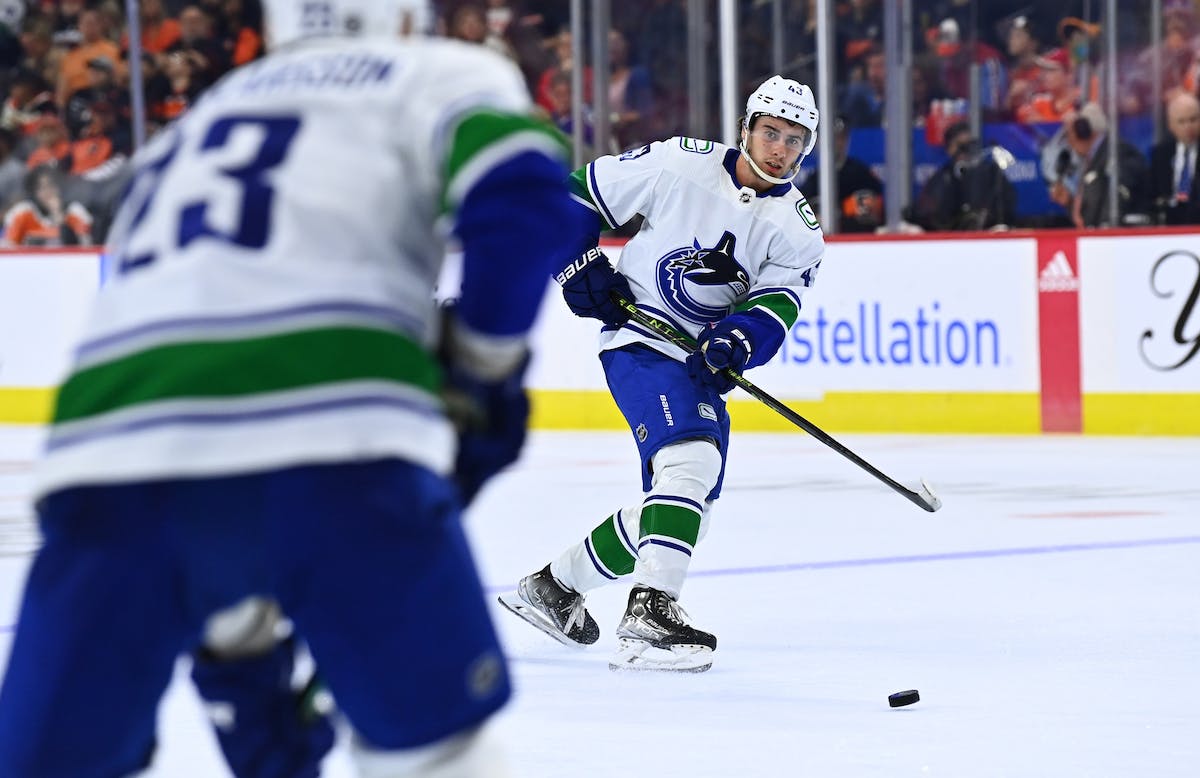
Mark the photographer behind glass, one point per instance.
(969, 191)
(1081, 173)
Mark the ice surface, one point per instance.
(1049, 614)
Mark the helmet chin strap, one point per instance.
(761, 173)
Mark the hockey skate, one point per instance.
(654, 635)
(554, 609)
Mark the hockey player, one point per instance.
(727, 248)
(259, 406)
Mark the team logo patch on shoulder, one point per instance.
(634, 153)
(641, 433)
(699, 284)
(706, 411)
(696, 146)
(806, 213)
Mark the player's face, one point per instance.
(775, 144)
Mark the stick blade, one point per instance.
(929, 500)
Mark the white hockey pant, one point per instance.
(653, 540)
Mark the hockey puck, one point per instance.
(903, 698)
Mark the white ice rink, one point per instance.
(1049, 614)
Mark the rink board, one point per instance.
(1017, 333)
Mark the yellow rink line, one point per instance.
(908, 412)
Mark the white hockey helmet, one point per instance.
(286, 21)
(788, 100)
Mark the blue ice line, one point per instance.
(906, 560)
(915, 558)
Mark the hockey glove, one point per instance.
(588, 284)
(721, 345)
(491, 418)
(260, 723)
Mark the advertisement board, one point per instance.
(1057, 331)
(1140, 333)
(44, 298)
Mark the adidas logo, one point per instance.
(1057, 275)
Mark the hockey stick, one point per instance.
(925, 498)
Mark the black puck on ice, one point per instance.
(903, 698)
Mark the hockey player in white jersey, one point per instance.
(259, 403)
(726, 251)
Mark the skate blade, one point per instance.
(638, 655)
(533, 616)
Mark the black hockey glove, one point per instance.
(588, 284)
(721, 345)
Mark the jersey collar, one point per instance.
(730, 163)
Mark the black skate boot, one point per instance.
(654, 635)
(554, 609)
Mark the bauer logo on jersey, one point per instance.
(698, 283)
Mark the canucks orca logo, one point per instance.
(699, 284)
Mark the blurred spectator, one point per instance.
(53, 144)
(1174, 187)
(239, 28)
(860, 30)
(969, 191)
(56, 149)
(102, 88)
(73, 74)
(172, 90)
(159, 31)
(1078, 40)
(198, 44)
(1086, 133)
(558, 92)
(28, 100)
(862, 100)
(1055, 94)
(955, 59)
(1024, 74)
(469, 23)
(561, 47)
(36, 42)
(859, 191)
(12, 170)
(1177, 54)
(630, 95)
(65, 14)
(44, 219)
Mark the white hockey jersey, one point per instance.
(288, 225)
(708, 247)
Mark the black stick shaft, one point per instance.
(925, 498)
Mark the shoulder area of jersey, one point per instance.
(698, 146)
(290, 22)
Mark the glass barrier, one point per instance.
(993, 90)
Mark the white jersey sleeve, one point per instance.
(621, 187)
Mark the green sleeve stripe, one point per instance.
(671, 521)
(577, 184)
(582, 190)
(776, 304)
(248, 367)
(485, 139)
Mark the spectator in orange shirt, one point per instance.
(54, 145)
(238, 28)
(44, 219)
(73, 74)
(1055, 96)
(55, 149)
(159, 31)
